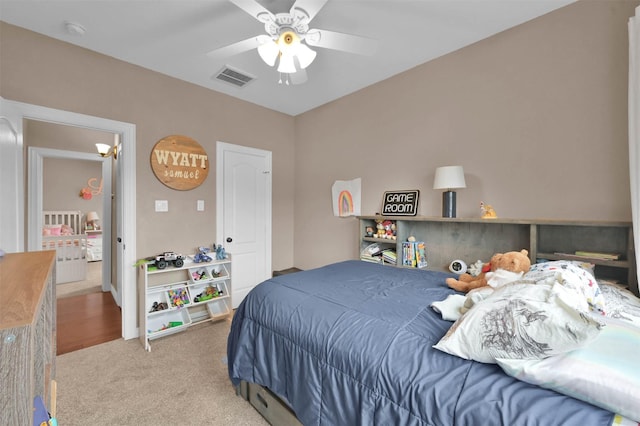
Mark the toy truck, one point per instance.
(162, 260)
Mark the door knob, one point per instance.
(229, 239)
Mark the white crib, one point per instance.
(71, 250)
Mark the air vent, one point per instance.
(233, 76)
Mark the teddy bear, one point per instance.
(503, 268)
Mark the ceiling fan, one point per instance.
(288, 38)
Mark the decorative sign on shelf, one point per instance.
(400, 203)
(179, 162)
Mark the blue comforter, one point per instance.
(351, 344)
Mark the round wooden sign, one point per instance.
(179, 162)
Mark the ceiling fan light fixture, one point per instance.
(269, 52)
(286, 64)
(305, 55)
(288, 42)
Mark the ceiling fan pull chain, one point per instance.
(280, 80)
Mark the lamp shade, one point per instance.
(103, 148)
(449, 177)
(92, 216)
(269, 52)
(305, 55)
(286, 64)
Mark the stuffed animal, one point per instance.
(487, 212)
(503, 268)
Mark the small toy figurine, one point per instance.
(487, 212)
(162, 260)
(209, 293)
(202, 255)
(158, 306)
(369, 231)
(220, 252)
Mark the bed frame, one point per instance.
(269, 405)
(71, 250)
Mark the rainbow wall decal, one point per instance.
(345, 203)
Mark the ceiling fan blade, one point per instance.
(307, 8)
(254, 9)
(239, 47)
(340, 41)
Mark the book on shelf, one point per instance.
(414, 254)
(591, 255)
(389, 256)
(374, 253)
(598, 255)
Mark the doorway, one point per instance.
(125, 212)
(58, 183)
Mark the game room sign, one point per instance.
(400, 203)
(179, 162)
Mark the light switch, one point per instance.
(162, 205)
(200, 205)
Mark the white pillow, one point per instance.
(604, 372)
(520, 320)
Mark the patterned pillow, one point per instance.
(621, 303)
(521, 320)
(604, 372)
(574, 277)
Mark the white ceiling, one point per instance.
(173, 36)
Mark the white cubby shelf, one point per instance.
(173, 299)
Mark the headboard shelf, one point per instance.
(471, 239)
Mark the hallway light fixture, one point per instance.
(107, 150)
(449, 177)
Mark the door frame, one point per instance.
(35, 193)
(221, 148)
(126, 194)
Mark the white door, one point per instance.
(11, 180)
(243, 211)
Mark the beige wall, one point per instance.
(43, 71)
(64, 178)
(537, 115)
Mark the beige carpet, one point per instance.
(182, 381)
(92, 283)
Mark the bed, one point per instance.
(94, 245)
(62, 232)
(352, 343)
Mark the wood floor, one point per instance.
(87, 320)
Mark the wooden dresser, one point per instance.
(27, 334)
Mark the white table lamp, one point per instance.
(92, 220)
(449, 177)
